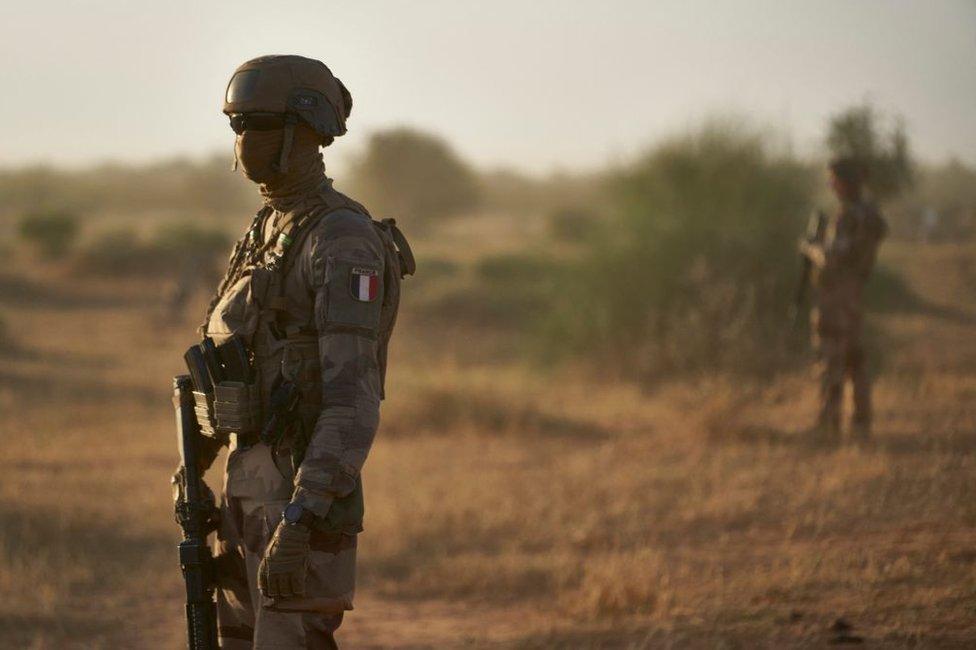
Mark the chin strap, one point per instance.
(290, 121)
(233, 167)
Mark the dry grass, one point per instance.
(508, 508)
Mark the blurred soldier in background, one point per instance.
(311, 292)
(841, 262)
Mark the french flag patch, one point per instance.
(365, 284)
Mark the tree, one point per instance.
(693, 269)
(53, 232)
(405, 173)
(884, 154)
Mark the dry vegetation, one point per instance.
(510, 506)
(559, 466)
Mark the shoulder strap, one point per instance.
(289, 242)
(244, 251)
(408, 264)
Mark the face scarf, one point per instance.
(258, 154)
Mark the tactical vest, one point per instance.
(258, 274)
(276, 253)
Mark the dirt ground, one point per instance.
(512, 508)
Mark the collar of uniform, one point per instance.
(288, 195)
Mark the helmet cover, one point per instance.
(290, 84)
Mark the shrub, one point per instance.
(697, 265)
(413, 175)
(53, 233)
(174, 248)
(117, 251)
(188, 239)
(856, 132)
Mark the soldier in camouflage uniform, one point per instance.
(841, 263)
(312, 290)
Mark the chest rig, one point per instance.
(268, 253)
(281, 413)
(273, 248)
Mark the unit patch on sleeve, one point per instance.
(364, 283)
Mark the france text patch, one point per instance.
(364, 283)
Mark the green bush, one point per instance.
(175, 247)
(53, 233)
(857, 132)
(696, 268)
(413, 175)
(187, 239)
(117, 251)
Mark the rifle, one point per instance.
(816, 226)
(194, 514)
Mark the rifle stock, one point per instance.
(196, 559)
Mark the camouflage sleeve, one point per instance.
(347, 268)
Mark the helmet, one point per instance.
(297, 87)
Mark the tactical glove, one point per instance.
(285, 564)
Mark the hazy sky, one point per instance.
(534, 84)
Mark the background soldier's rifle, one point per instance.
(195, 513)
(816, 227)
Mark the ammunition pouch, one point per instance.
(226, 396)
(237, 408)
(234, 408)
